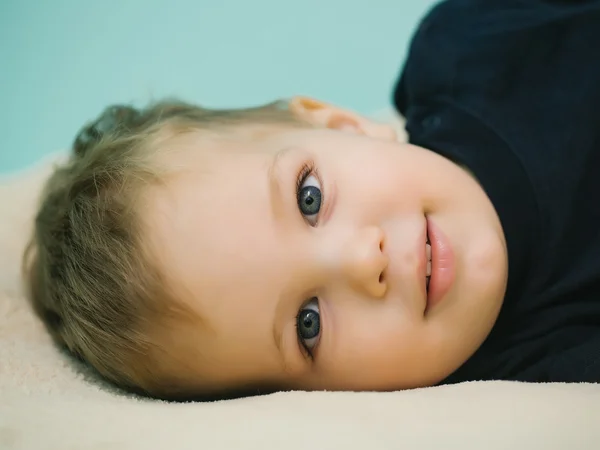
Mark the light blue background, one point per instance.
(63, 61)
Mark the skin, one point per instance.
(229, 232)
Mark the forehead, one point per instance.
(211, 229)
(214, 204)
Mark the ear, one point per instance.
(328, 116)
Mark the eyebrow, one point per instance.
(275, 183)
(279, 321)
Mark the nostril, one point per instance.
(381, 277)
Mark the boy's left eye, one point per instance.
(308, 325)
(309, 199)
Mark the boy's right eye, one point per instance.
(309, 195)
(308, 325)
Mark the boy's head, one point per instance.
(191, 252)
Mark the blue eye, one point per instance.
(308, 325)
(309, 196)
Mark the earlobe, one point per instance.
(328, 116)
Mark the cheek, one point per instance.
(373, 338)
(396, 186)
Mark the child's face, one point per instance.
(250, 257)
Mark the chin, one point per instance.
(486, 275)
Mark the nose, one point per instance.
(365, 262)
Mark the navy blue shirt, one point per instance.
(511, 90)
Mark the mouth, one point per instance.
(428, 262)
(440, 264)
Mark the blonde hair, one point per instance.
(90, 277)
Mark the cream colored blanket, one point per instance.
(49, 402)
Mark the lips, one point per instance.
(441, 265)
(428, 263)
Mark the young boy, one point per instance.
(185, 252)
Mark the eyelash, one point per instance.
(305, 171)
